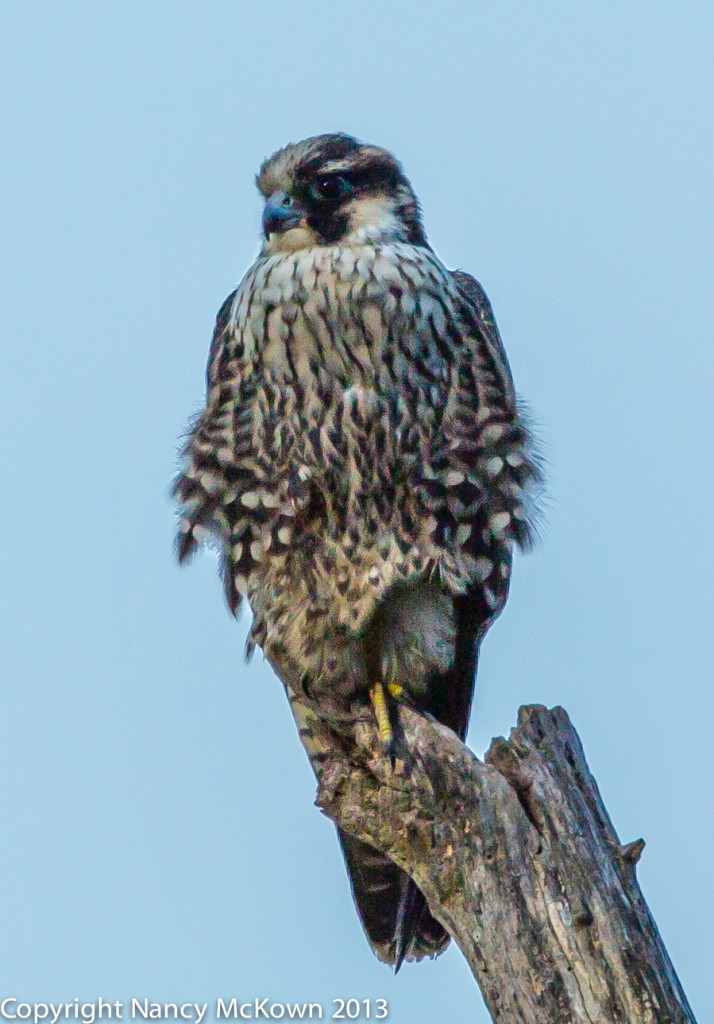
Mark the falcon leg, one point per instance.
(378, 697)
(377, 689)
(382, 709)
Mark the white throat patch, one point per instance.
(299, 237)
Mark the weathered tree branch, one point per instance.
(516, 857)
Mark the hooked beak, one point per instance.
(281, 213)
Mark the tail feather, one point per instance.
(411, 907)
(391, 907)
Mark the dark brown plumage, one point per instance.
(362, 465)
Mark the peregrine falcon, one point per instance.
(362, 466)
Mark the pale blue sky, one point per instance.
(158, 833)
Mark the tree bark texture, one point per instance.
(517, 858)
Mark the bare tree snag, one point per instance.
(517, 858)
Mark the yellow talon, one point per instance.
(379, 700)
(395, 690)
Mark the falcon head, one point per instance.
(331, 190)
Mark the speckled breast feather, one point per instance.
(360, 431)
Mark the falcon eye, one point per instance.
(331, 188)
